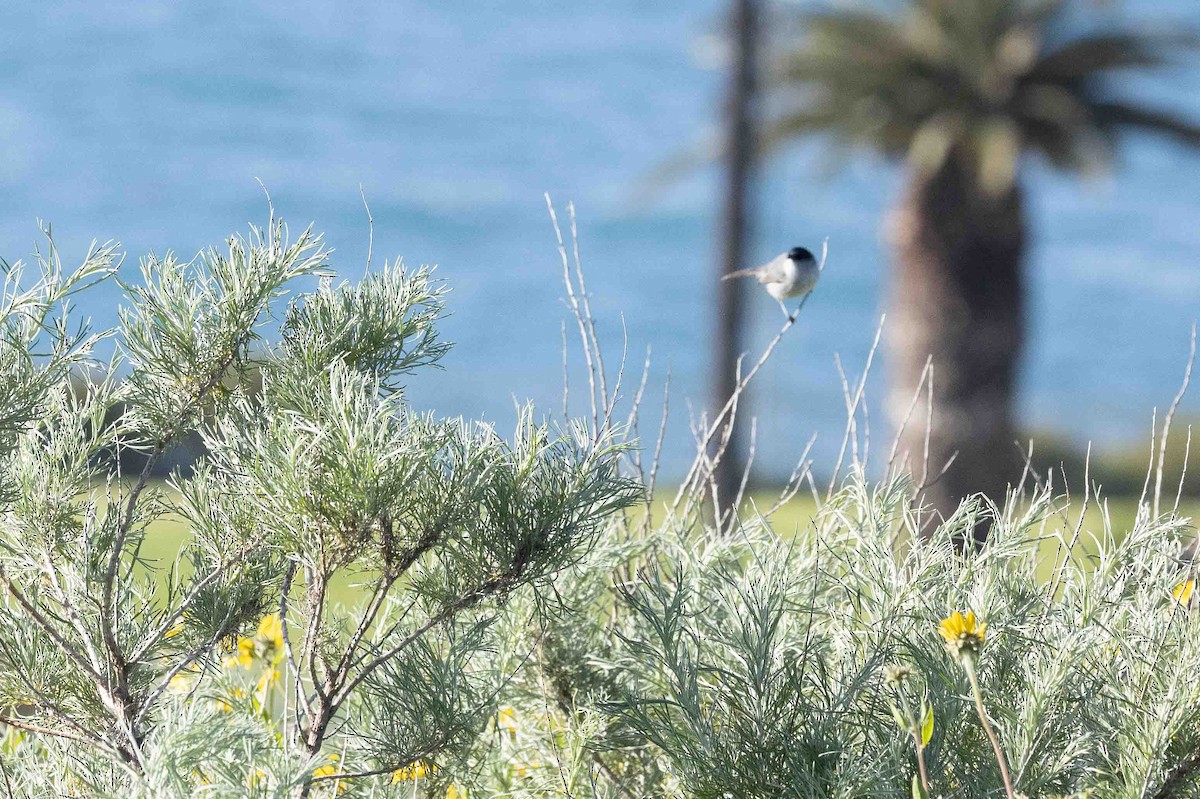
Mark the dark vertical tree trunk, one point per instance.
(957, 297)
(735, 218)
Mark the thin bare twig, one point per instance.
(47, 627)
(717, 424)
(792, 486)
(658, 445)
(468, 600)
(1027, 469)
(851, 427)
(164, 682)
(301, 700)
(1166, 431)
(613, 778)
(852, 408)
(52, 574)
(370, 230)
(177, 613)
(119, 662)
(632, 421)
(941, 473)
(382, 586)
(1153, 450)
(1187, 455)
(752, 449)
(705, 438)
(40, 730)
(44, 702)
(1066, 556)
(590, 320)
(611, 401)
(928, 428)
(7, 782)
(577, 311)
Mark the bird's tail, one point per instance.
(740, 273)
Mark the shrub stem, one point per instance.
(968, 663)
(920, 746)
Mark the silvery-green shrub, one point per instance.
(233, 670)
(371, 601)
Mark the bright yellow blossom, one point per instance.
(243, 656)
(226, 705)
(268, 678)
(523, 769)
(964, 635)
(454, 792)
(270, 635)
(1183, 592)
(506, 719)
(330, 770)
(266, 645)
(416, 771)
(181, 683)
(245, 652)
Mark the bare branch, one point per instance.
(852, 407)
(1166, 431)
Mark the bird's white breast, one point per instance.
(792, 280)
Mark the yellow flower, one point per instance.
(226, 705)
(506, 719)
(268, 678)
(254, 777)
(243, 656)
(1183, 592)
(963, 634)
(270, 636)
(520, 769)
(180, 684)
(330, 770)
(266, 645)
(454, 792)
(416, 771)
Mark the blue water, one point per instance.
(149, 122)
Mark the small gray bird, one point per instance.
(790, 274)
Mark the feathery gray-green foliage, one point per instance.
(517, 633)
(755, 665)
(232, 672)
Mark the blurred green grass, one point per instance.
(166, 537)
(797, 515)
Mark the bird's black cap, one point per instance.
(800, 254)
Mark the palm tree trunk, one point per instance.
(957, 299)
(735, 217)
